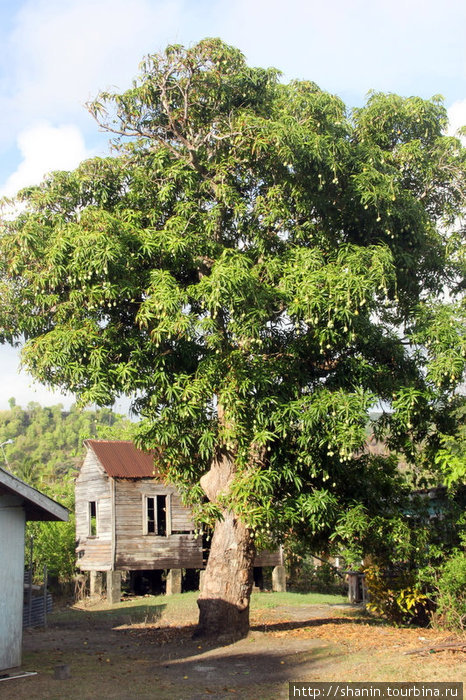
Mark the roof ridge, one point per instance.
(107, 440)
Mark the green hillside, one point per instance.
(43, 445)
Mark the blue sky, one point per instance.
(56, 54)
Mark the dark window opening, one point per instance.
(92, 518)
(162, 515)
(156, 515)
(150, 516)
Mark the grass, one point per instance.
(138, 605)
(140, 608)
(174, 609)
(187, 600)
(273, 600)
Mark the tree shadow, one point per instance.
(213, 666)
(235, 667)
(316, 622)
(147, 619)
(82, 618)
(124, 643)
(188, 644)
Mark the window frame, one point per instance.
(93, 519)
(145, 514)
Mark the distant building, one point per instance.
(18, 503)
(129, 520)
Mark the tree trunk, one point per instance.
(228, 579)
(227, 582)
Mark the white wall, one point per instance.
(12, 521)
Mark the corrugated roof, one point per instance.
(120, 458)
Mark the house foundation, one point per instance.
(113, 587)
(279, 579)
(174, 578)
(96, 584)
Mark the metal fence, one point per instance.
(35, 611)
(37, 601)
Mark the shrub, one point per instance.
(451, 598)
(304, 576)
(396, 597)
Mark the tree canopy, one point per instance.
(258, 267)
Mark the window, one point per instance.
(162, 515)
(157, 515)
(151, 521)
(92, 518)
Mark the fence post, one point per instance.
(31, 544)
(45, 595)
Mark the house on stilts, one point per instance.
(131, 524)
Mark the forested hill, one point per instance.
(47, 442)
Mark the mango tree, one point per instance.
(254, 265)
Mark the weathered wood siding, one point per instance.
(136, 550)
(93, 484)
(268, 558)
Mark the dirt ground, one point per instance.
(147, 652)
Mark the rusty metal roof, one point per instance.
(120, 458)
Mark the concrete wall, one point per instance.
(12, 521)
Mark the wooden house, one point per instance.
(18, 503)
(129, 520)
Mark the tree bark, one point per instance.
(227, 582)
(228, 578)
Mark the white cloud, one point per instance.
(45, 148)
(62, 52)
